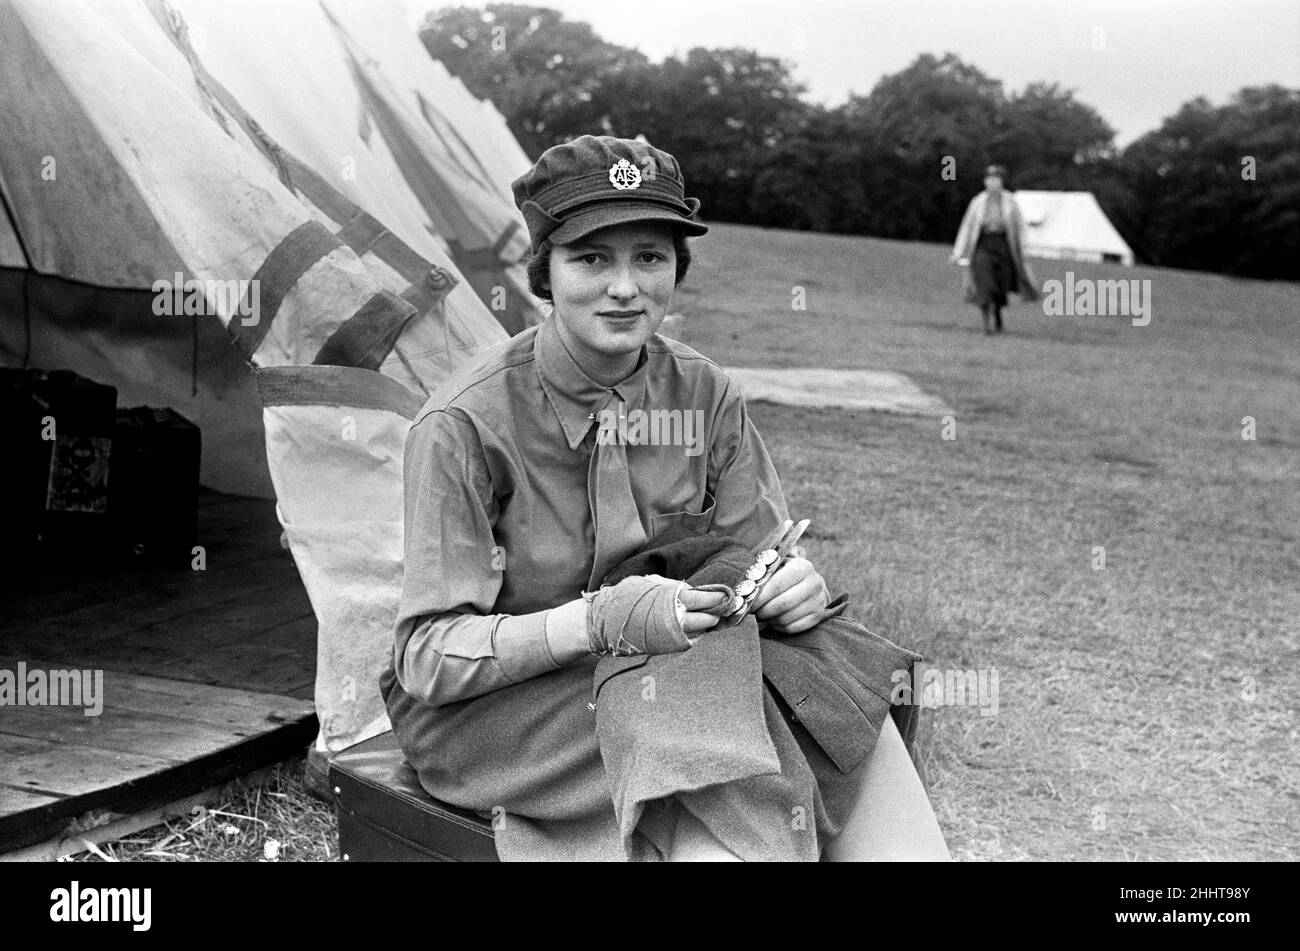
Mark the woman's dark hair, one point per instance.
(539, 265)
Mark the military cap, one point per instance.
(596, 181)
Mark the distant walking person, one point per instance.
(992, 242)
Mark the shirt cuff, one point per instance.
(521, 648)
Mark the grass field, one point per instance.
(1124, 729)
(1147, 709)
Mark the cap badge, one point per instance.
(623, 175)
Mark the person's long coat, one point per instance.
(968, 235)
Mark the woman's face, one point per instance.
(611, 291)
(993, 183)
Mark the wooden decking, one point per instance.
(207, 675)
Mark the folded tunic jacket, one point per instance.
(758, 737)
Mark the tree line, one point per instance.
(1214, 188)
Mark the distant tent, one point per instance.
(239, 142)
(1072, 226)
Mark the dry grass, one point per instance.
(268, 819)
(1147, 710)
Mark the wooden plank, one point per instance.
(70, 593)
(23, 829)
(172, 611)
(155, 738)
(71, 769)
(176, 714)
(169, 652)
(267, 644)
(183, 699)
(295, 635)
(178, 623)
(242, 541)
(99, 655)
(244, 621)
(265, 670)
(238, 667)
(20, 800)
(303, 691)
(124, 731)
(11, 744)
(86, 829)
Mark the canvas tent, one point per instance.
(150, 143)
(472, 132)
(1071, 226)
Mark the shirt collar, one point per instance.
(576, 397)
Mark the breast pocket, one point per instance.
(673, 525)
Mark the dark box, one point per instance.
(386, 816)
(153, 489)
(58, 429)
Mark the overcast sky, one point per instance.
(1135, 61)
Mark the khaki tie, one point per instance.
(613, 509)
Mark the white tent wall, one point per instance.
(402, 56)
(447, 143)
(514, 160)
(161, 171)
(506, 157)
(283, 63)
(1071, 226)
(476, 144)
(59, 92)
(294, 66)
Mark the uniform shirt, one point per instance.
(498, 519)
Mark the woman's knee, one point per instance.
(891, 819)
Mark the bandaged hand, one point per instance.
(648, 614)
(793, 601)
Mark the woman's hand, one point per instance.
(645, 614)
(794, 599)
(697, 603)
